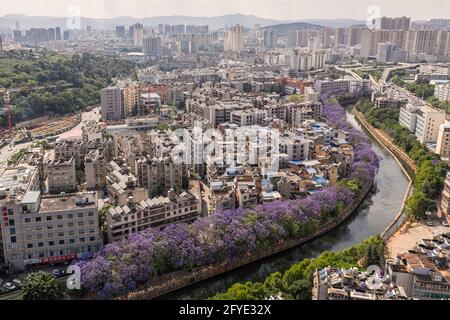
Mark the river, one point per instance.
(372, 218)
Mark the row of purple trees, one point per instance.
(123, 266)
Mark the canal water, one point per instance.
(372, 218)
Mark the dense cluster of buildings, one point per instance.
(421, 274)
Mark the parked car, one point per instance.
(9, 286)
(17, 282)
(445, 223)
(429, 223)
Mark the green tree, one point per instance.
(40, 286)
(418, 204)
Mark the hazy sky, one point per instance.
(276, 9)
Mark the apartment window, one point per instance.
(72, 241)
(12, 222)
(51, 243)
(92, 238)
(38, 219)
(40, 244)
(10, 212)
(29, 237)
(91, 223)
(13, 239)
(12, 231)
(80, 215)
(80, 223)
(60, 217)
(70, 216)
(27, 220)
(82, 240)
(71, 224)
(29, 245)
(61, 241)
(61, 234)
(91, 214)
(49, 218)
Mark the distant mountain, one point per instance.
(336, 23)
(283, 29)
(26, 22)
(249, 21)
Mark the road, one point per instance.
(16, 294)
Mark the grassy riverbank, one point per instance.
(431, 172)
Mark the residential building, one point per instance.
(61, 176)
(443, 141)
(442, 91)
(429, 121)
(235, 39)
(44, 230)
(151, 46)
(445, 201)
(95, 169)
(112, 103)
(123, 221)
(408, 117)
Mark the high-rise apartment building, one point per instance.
(112, 103)
(120, 31)
(399, 23)
(235, 39)
(270, 39)
(151, 46)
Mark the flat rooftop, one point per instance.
(69, 202)
(17, 178)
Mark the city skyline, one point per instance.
(269, 9)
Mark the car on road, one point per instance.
(9, 286)
(58, 273)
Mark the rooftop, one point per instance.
(68, 202)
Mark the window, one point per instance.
(27, 220)
(51, 243)
(10, 212)
(91, 214)
(80, 215)
(29, 245)
(72, 241)
(60, 217)
(12, 222)
(13, 239)
(40, 244)
(12, 231)
(92, 238)
(70, 216)
(82, 239)
(61, 242)
(38, 219)
(49, 218)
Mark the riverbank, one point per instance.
(180, 279)
(397, 153)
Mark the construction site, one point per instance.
(38, 128)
